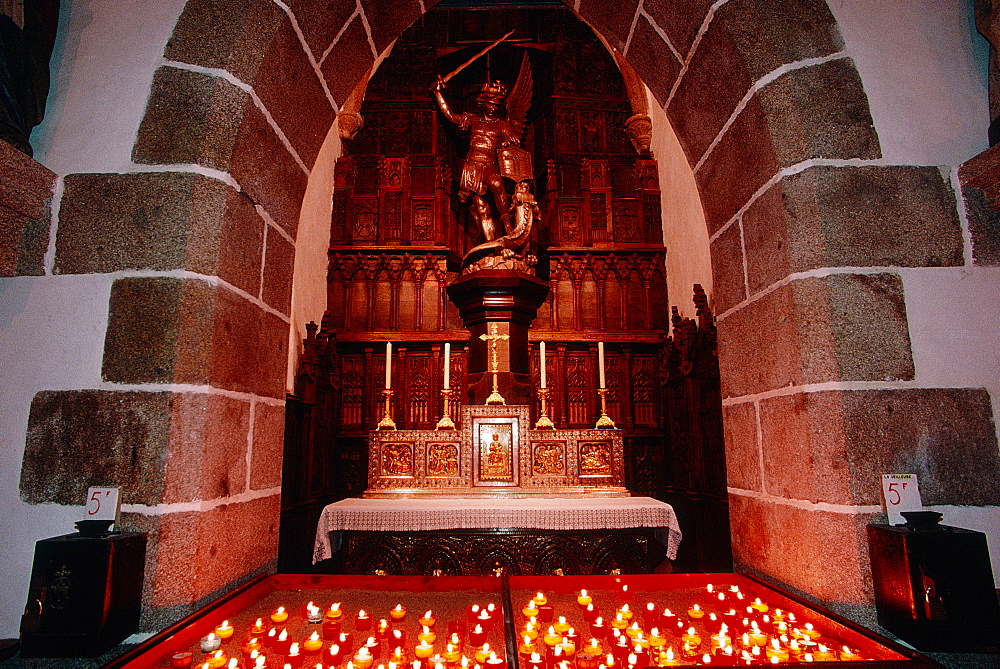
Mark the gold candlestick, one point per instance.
(544, 422)
(387, 423)
(446, 423)
(604, 422)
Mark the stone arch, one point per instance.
(774, 121)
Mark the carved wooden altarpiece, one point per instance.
(466, 462)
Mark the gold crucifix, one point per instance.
(493, 337)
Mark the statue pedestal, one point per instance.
(510, 299)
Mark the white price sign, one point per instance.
(900, 493)
(102, 504)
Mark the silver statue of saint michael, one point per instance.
(495, 153)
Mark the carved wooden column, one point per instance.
(511, 300)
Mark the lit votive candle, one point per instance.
(530, 610)
(362, 622)
(540, 598)
(428, 619)
(657, 640)
(776, 653)
(363, 659)
(294, 655)
(824, 654)
(374, 646)
(334, 611)
(483, 652)
(313, 613)
(758, 605)
(691, 638)
(252, 644)
(527, 646)
(619, 622)
(211, 643)
(452, 653)
(583, 599)
(257, 627)
(590, 612)
(225, 630)
(593, 647)
(696, 612)
(477, 637)
(313, 644)
(535, 661)
(561, 625)
(567, 646)
(598, 628)
(530, 629)
(633, 630)
(494, 662)
(346, 642)
(333, 654)
(552, 637)
(331, 628)
(384, 628)
(811, 631)
(625, 610)
(217, 659)
(472, 612)
(667, 658)
(397, 638)
(398, 612)
(423, 650)
(426, 634)
(279, 615)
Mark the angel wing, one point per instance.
(519, 99)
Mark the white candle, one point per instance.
(541, 348)
(447, 365)
(388, 365)
(600, 362)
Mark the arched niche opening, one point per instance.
(594, 130)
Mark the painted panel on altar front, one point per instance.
(548, 458)
(443, 459)
(495, 444)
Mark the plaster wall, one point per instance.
(52, 338)
(925, 76)
(925, 73)
(52, 327)
(311, 245)
(102, 68)
(685, 234)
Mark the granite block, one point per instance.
(728, 283)
(852, 216)
(653, 60)
(279, 265)
(680, 20)
(612, 19)
(232, 35)
(819, 112)
(267, 172)
(347, 61)
(81, 438)
(739, 422)
(268, 446)
(159, 221)
(981, 190)
(191, 118)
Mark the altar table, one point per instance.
(546, 514)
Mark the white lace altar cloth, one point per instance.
(547, 513)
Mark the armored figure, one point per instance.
(494, 154)
(488, 133)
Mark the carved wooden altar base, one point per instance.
(495, 454)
